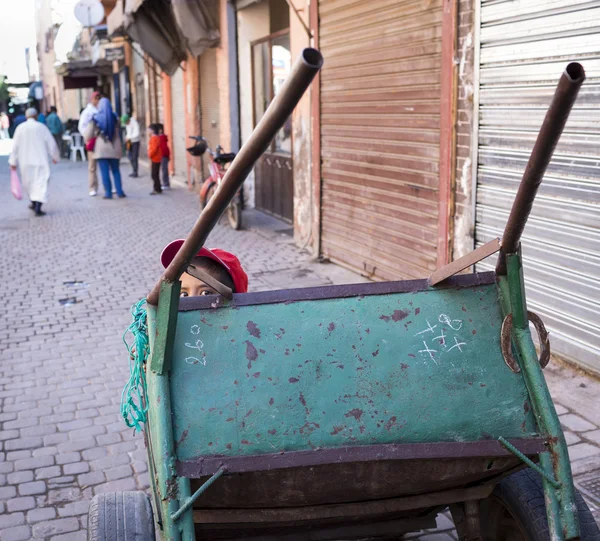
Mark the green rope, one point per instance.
(134, 407)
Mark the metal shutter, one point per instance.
(380, 126)
(178, 115)
(209, 102)
(525, 45)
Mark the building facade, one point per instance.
(407, 150)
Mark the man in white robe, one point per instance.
(33, 148)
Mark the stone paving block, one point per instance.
(23, 443)
(593, 436)
(47, 473)
(18, 533)
(571, 438)
(583, 450)
(116, 486)
(93, 478)
(34, 462)
(74, 509)
(576, 423)
(76, 467)
(56, 526)
(20, 504)
(18, 477)
(119, 472)
(35, 487)
(7, 492)
(74, 536)
(12, 519)
(66, 458)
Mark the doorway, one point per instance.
(274, 178)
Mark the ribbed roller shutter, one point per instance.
(524, 48)
(178, 115)
(380, 125)
(209, 102)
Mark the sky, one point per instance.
(17, 32)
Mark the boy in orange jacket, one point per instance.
(155, 155)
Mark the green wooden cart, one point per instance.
(355, 411)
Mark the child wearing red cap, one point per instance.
(221, 265)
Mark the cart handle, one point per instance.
(550, 132)
(299, 79)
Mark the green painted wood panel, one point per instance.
(399, 368)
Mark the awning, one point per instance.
(197, 24)
(85, 68)
(164, 28)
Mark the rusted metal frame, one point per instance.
(332, 532)
(351, 509)
(543, 473)
(208, 465)
(188, 500)
(166, 323)
(316, 138)
(464, 262)
(447, 130)
(562, 498)
(334, 292)
(300, 77)
(467, 520)
(159, 395)
(554, 122)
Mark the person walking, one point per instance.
(55, 126)
(104, 130)
(84, 119)
(4, 125)
(33, 148)
(132, 140)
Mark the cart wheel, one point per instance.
(234, 213)
(120, 516)
(516, 511)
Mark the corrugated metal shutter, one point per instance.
(380, 125)
(209, 102)
(524, 48)
(178, 114)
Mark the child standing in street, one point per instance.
(166, 156)
(155, 156)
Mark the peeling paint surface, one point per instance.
(339, 372)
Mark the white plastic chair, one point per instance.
(77, 146)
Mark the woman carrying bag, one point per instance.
(103, 133)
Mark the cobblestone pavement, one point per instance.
(68, 281)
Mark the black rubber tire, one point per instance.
(234, 213)
(522, 495)
(120, 516)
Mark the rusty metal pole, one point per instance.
(550, 132)
(302, 74)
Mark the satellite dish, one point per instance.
(89, 12)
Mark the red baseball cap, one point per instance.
(229, 261)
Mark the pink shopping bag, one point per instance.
(15, 184)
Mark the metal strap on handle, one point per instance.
(299, 79)
(550, 132)
(506, 342)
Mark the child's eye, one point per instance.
(205, 292)
(183, 294)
